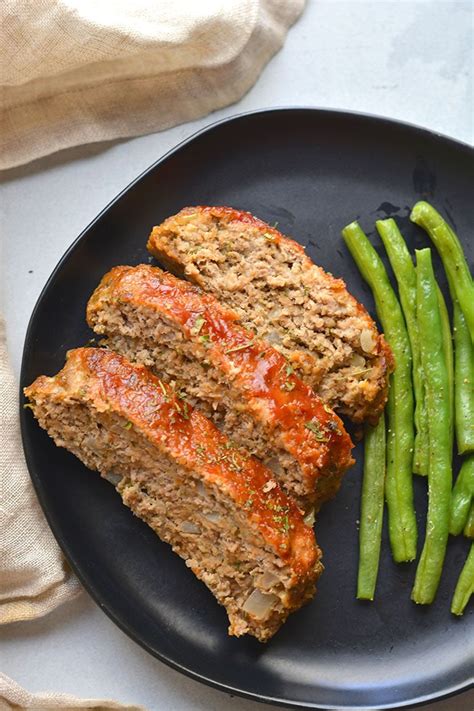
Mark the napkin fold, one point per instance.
(34, 577)
(79, 71)
(14, 697)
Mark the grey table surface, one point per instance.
(407, 60)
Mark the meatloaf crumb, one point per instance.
(242, 383)
(274, 287)
(220, 510)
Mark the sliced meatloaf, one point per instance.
(306, 313)
(241, 382)
(220, 509)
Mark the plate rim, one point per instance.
(54, 525)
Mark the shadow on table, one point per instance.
(54, 160)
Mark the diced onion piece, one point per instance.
(201, 488)
(310, 518)
(259, 604)
(268, 580)
(189, 527)
(274, 313)
(357, 361)
(367, 340)
(273, 337)
(92, 443)
(113, 478)
(213, 517)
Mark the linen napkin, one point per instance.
(34, 578)
(13, 697)
(79, 71)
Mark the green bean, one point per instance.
(371, 514)
(398, 478)
(405, 274)
(447, 340)
(452, 255)
(469, 527)
(462, 496)
(460, 283)
(430, 565)
(465, 585)
(463, 383)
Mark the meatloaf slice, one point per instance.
(220, 509)
(306, 313)
(242, 383)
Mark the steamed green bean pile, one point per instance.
(430, 401)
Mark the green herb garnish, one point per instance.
(163, 389)
(198, 324)
(237, 465)
(182, 409)
(316, 430)
(240, 348)
(284, 521)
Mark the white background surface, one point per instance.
(407, 60)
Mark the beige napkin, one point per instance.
(79, 71)
(33, 575)
(13, 697)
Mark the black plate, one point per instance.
(312, 171)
